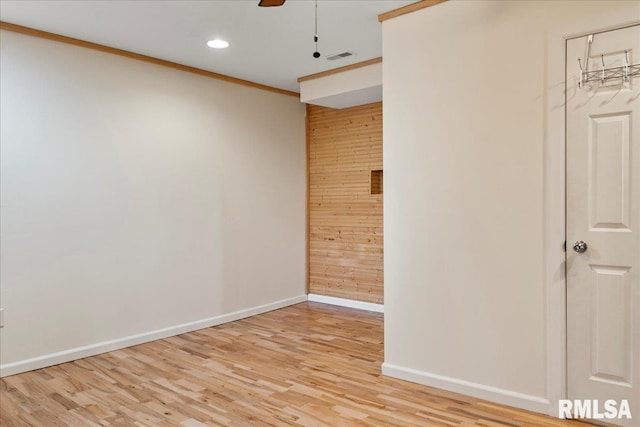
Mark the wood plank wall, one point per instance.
(345, 219)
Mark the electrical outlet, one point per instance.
(1, 317)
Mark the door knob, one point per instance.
(580, 246)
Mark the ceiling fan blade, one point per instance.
(271, 3)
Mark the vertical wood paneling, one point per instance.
(307, 133)
(345, 219)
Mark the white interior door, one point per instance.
(603, 197)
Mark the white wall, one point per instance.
(464, 93)
(136, 198)
(359, 86)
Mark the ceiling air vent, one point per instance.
(340, 56)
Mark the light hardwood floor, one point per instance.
(309, 364)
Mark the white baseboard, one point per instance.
(343, 302)
(480, 391)
(103, 347)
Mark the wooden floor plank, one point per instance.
(306, 365)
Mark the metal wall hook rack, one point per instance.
(603, 75)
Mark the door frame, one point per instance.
(554, 187)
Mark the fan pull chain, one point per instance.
(316, 54)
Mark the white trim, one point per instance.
(555, 191)
(480, 391)
(103, 347)
(343, 302)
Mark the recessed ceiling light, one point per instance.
(218, 44)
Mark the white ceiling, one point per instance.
(272, 46)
